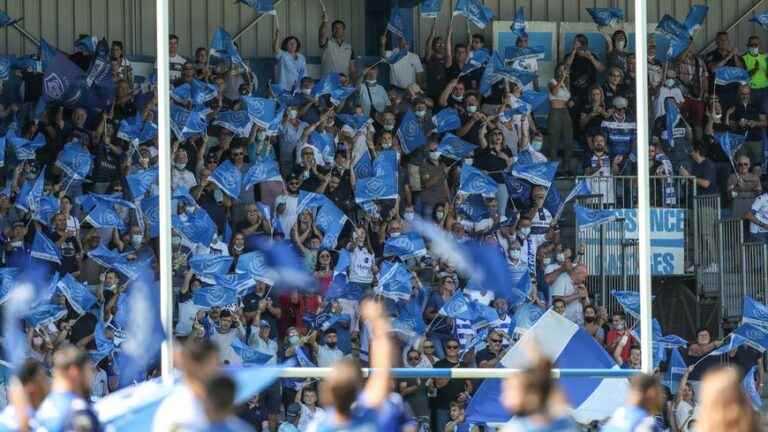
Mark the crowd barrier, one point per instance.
(741, 269)
(463, 373)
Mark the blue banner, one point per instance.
(474, 181)
(406, 245)
(77, 293)
(228, 178)
(731, 75)
(537, 173)
(236, 122)
(43, 248)
(479, 14)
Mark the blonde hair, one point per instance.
(724, 406)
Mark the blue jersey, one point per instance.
(525, 424)
(390, 416)
(630, 419)
(65, 411)
(620, 135)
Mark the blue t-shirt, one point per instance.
(630, 419)
(65, 411)
(390, 416)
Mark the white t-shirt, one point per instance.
(187, 313)
(181, 410)
(562, 287)
(327, 356)
(336, 57)
(307, 416)
(268, 346)
(176, 66)
(99, 384)
(529, 64)
(183, 177)
(683, 414)
(760, 210)
(288, 218)
(360, 266)
(480, 297)
(224, 342)
(403, 73)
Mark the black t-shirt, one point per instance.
(437, 77)
(583, 76)
(715, 57)
(106, 166)
(484, 355)
(706, 170)
(745, 358)
(83, 328)
(451, 391)
(69, 250)
(487, 160)
(748, 112)
(595, 123)
(610, 94)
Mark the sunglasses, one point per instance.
(413, 358)
(429, 347)
(451, 347)
(496, 340)
(236, 154)
(742, 164)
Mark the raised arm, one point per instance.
(322, 36)
(377, 388)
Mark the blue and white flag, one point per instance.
(197, 227)
(323, 142)
(672, 117)
(326, 85)
(541, 174)
(24, 148)
(375, 188)
(517, 53)
(474, 208)
(731, 75)
(303, 360)
(750, 388)
(136, 131)
(339, 287)
(141, 181)
(261, 6)
(330, 219)
(6, 20)
(310, 200)
(587, 218)
(761, 19)
(150, 210)
(104, 257)
(401, 23)
(394, 281)
(534, 99)
(756, 337)
(677, 46)
(133, 269)
(86, 44)
(676, 369)
(222, 47)
(228, 178)
(606, 17)
(31, 193)
(410, 133)
(526, 315)
(77, 293)
(45, 249)
(754, 312)
(262, 170)
(671, 27)
(459, 306)
(431, 8)
(238, 282)
(210, 264)
(443, 245)
(238, 122)
(695, 19)
(104, 346)
(446, 120)
(569, 347)
(254, 264)
(44, 314)
(357, 122)
(214, 296)
(629, 301)
(479, 14)
(186, 124)
(75, 160)
(518, 25)
(579, 190)
(409, 326)
(105, 216)
(488, 265)
(406, 245)
(475, 181)
(476, 60)
(5, 67)
(261, 111)
(62, 80)
(273, 129)
(386, 164)
(195, 92)
(454, 147)
(362, 164)
(519, 107)
(730, 143)
(248, 355)
(99, 73)
(340, 94)
(289, 269)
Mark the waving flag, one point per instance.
(606, 17)
(579, 190)
(358, 123)
(541, 174)
(248, 355)
(340, 94)
(396, 55)
(326, 85)
(474, 181)
(474, 11)
(386, 164)
(677, 46)
(446, 120)
(569, 347)
(534, 99)
(210, 264)
(756, 337)
(77, 293)
(104, 257)
(409, 326)
(6, 21)
(254, 264)
(695, 19)
(754, 312)
(20, 298)
(410, 134)
(518, 108)
(239, 282)
(519, 76)
(730, 143)
(23, 148)
(62, 80)
(672, 117)
(6, 63)
(518, 26)
(406, 245)
(443, 245)
(237, 122)
(136, 131)
(30, 194)
(454, 147)
(228, 178)
(223, 47)
(629, 301)
(105, 216)
(761, 19)
(197, 227)
(401, 23)
(261, 111)
(214, 296)
(730, 75)
(186, 124)
(474, 208)
(323, 142)
(459, 306)
(310, 200)
(375, 188)
(261, 6)
(100, 71)
(394, 281)
(286, 264)
(431, 8)
(488, 265)
(476, 60)
(748, 383)
(150, 211)
(86, 44)
(195, 92)
(264, 169)
(133, 269)
(670, 27)
(586, 218)
(331, 221)
(104, 346)
(273, 129)
(675, 371)
(516, 53)
(362, 164)
(44, 314)
(140, 182)
(43, 248)
(75, 160)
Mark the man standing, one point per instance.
(750, 121)
(337, 52)
(723, 55)
(177, 61)
(328, 352)
(408, 70)
(492, 354)
(646, 398)
(757, 66)
(704, 171)
(570, 288)
(449, 390)
(584, 69)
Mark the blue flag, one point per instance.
(100, 71)
(518, 25)
(323, 142)
(288, 267)
(228, 178)
(197, 227)
(5, 20)
(248, 355)
(518, 108)
(273, 129)
(104, 346)
(541, 174)
(587, 218)
(552, 202)
(210, 264)
(606, 17)
(310, 200)
(730, 143)
(406, 245)
(476, 60)
(105, 216)
(356, 122)
(264, 169)
(86, 44)
(31, 194)
(761, 19)
(401, 23)
(580, 189)
(454, 147)
(6, 63)
(237, 122)
(23, 148)
(396, 55)
(44, 314)
(363, 166)
(261, 111)
(75, 160)
(150, 209)
(675, 371)
(754, 313)
(489, 265)
(677, 46)
(517, 53)
(431, 8)
(474, 208)
(261, 6)
(474, 11)
(254, 264)
(186, 124)
(375, 188)
(237, 282)
(223, 47)
(671, 27)
(195, 92)
(303, 360)
(340, 94)
(756, 337)
(326, 85)
(410, 133)
(17, 299)
(730, 75)
(629, 301)
(132, 269)
(214, 296)
(386, 164)
(394, 281)
(526, 316)
(77, 293)
(695, 19)
(750, 379)
(534, 99)
(446, 120)
(62, 80)
(140, 182)
(136, 131)
(331, 221)
(475, 181)
(459, 306)
(104, 257)
(672, 117)
(43, 248)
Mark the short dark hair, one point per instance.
(698, 147)
(753, 37)
(173, 37)
(331, 330)
(220, 392)
(29, 370)
(558, 300)
(642, 383)
(720, 33)
(460, 45)
(284, 45)
(117, 43)
(582, 38)
(333, 24)
(70, 356)
(479, 37)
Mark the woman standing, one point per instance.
(559, 123)
(291, 64)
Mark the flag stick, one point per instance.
(25, 33)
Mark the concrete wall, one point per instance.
(194, 21)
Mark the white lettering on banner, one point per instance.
(667, 244)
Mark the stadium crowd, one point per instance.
(344, 168)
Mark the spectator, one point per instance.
(684, 404)
(176, 61)
(592, 326)
(337, 53)
(756, 65)
(743, 183)
(306, 399)
(373, 98)
(408, 70)
(694, 79)
(723, 404)
(527, 64)
(703, 169)
(414, 390)
(619, 335)
(559, 123)
(291, 423)
(291, 64)
(449, 391)
(583, 71)
(645, 399)
(749, 120)
(724, 55)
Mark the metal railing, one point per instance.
(706, 213)
(462, 373)
(742, 267)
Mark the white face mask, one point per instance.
(561, 257)
(537, 144)
(472, 109)
(468, 162)
(420, 113)
(546, 261)
(754, 51)
(525, 231)
(189, 210)
(670, 82)
(515, 253)
(389, 127)
(620, 44)
(292, 114)
(371, 82)
(179, 166)
(408, 215)
(386, 144)
(458, 98)
(306, 91)
(261, 135)
(238, 248)
(434, 156)
(136, 240)
(293, 340)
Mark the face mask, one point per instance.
(458, 98)
(408, 216)
(293, 340)
(620, 326)
(386, 144)
(546, 261)
(620, 44)
(389, 127)
(754, 51)
(560, 257)
(218, 196)
(525, 231)
(469, 162)
(261, 135)
(670, 82)
(439, 216)
(179, 166)
(420, 114)
(238, 248)
(514, 254)
(717, 117)
(434, 156)
(292, 114)
(306, 91)
(136, 240)
(17, 244)
(589, 319)
(537, 145)
(175, 240)
(31, 176)
(472, 109)
(189, 210)
(371, 82)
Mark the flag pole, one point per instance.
(643, 179)
(164, 146)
